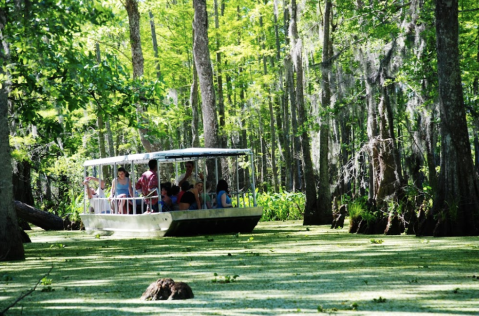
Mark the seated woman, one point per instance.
(190, 200)
(166, 202)
(222, 198)
(185, 186)
(121, 189)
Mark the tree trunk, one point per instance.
(389, 182)
(288, 69)
(100, 123)
(271, 113)
(310, 210)
(272, 129)
(324, 211)
(22, 187)
(138, 69)
(11, 246)
(457, 199)
(290, 91)
(155, 46)
(219, 78)
(290, 140)
(195, 133)
(372, 131)
(476, 92)
(45, 220)
(205, 73)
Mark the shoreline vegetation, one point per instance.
(282, 268)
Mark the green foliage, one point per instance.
(357, 209)
(376, 241)
(57, 246)
(281, 206)
(46, 281)
(224, 279)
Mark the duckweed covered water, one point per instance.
(282, 268)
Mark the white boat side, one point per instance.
(175, 223)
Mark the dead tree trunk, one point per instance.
(45, 220)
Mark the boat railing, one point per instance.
(140, 204)
(133, 205)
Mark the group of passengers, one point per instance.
(186, 195)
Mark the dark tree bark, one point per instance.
(45, 220)
(205, 74)
(476, 92)
(22, 183)
(11, 246)
(456, 203)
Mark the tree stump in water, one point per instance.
(410, 222)
(167, 289)
(354, 224)
(394, 225)
(426, 223)
(338, 217)
(380, 225)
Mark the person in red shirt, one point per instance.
(148, 184)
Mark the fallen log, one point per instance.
(45, 220)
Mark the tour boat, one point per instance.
(242, 217)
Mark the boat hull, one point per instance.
(176, 223)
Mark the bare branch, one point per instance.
(21, 297)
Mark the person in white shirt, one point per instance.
(98, 202)
(190, 175)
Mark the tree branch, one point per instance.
(21, 297)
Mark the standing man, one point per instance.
(190, 175)
(148, 184)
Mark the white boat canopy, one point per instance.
(169, 156)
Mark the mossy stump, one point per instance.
(167, 289)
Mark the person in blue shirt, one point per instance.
(222, 195)
(121, 190)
